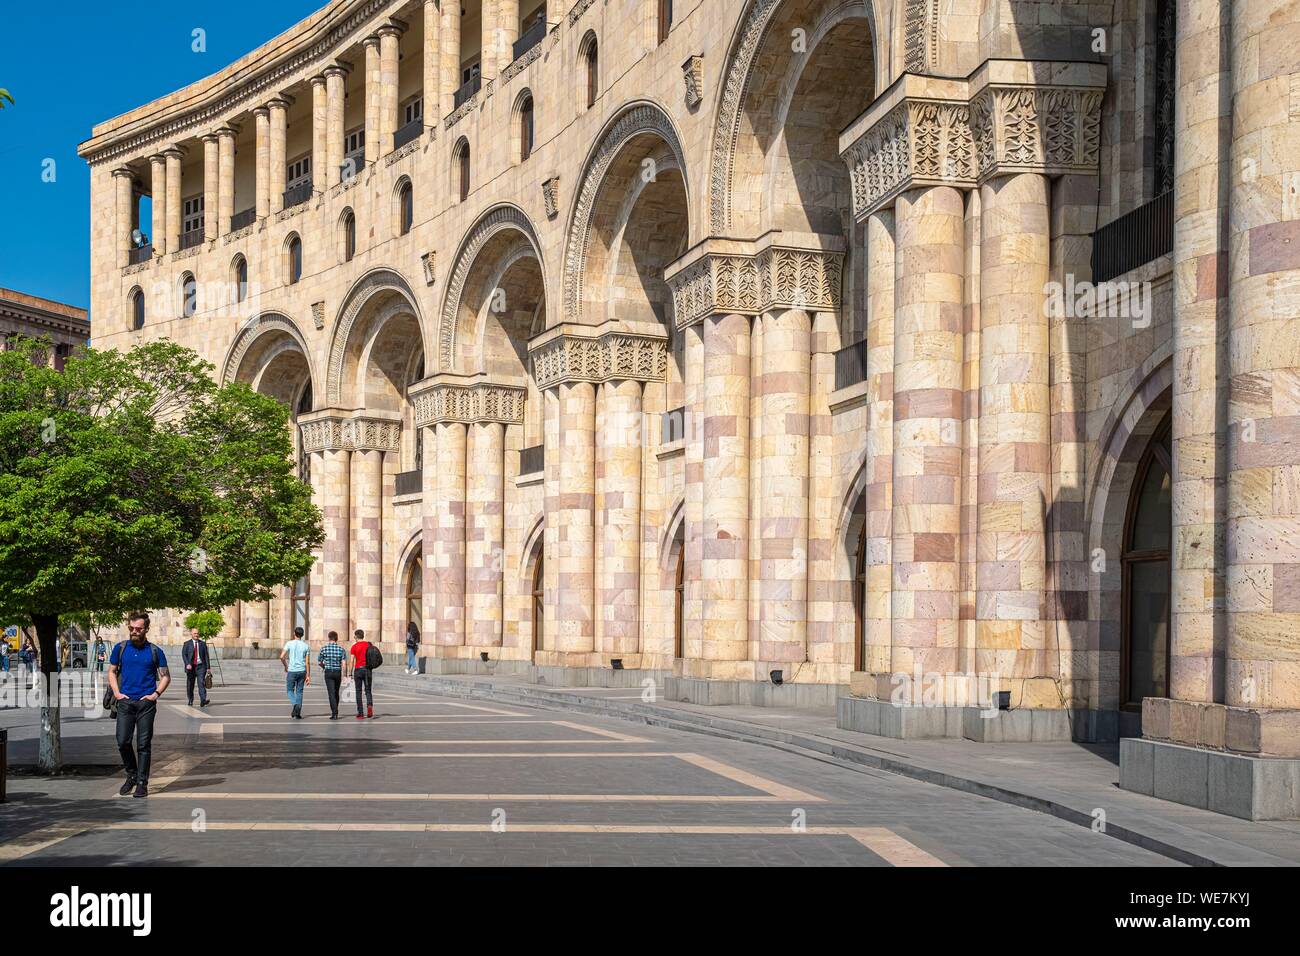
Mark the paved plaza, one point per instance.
(435, 780)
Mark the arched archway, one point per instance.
(1145, 565)
(377, 345)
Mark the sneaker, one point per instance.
(204, 704)
(370, 711)
(127, 787)
(334, 716)
(142, 790)
(361, 716)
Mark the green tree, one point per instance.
(209, 623)
(5, 98)
(131, 480)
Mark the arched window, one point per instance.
(539, 602)
(414, 586)
(299, 598)
(860, 600)
(591, 69)
(189, 294)
(137, 308)
(1144, 662)
(526, 128)
(293, 264)
(239, 274)
(347, 234)
(462, 169)
(405, 208)
(665, 19)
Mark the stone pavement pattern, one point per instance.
(438, 780)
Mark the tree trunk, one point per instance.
(50, 758)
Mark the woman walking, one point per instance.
(412, 645)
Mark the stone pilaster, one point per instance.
(373, 99)
(574, 597)
(1014, 435)
(279, 163)
(335, 74)
(432, 62)
(319, 131)
(262, 119)
(693, 505)
(124, 212)
(158, 194)
(507, 14)
(928, 353)
(226, 178)
(389, 34)
(449, 70)
(429, 517)
(211, 185)
(449, 543)
(485, 535)
(490, 55)
(366, 542)
(619, 445)
(174, 155)
(331, 476)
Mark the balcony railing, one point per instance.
(1134, 239)
(296, 195)
(141, 254)
(410, 131)
(192, 238)
(851, 365)
(673, 425)
(241, 219)
(353, 163)
(532, 36)
(532, 460)
(409, 482)
(466, 91)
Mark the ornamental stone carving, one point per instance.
(693, 72)
(1008, 116)
(551, 196)
(468, 399)
(340, 432)
(614, 350)
(724, 276)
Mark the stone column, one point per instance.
(489, 50)
(211, 185)
(574, 557)
(279, 163)
(1202, 120)
(255, 623)
(373, 98)
(1014, 431)
(928, 299)
(388, 37)
(725, 519)
(429, 515)
(334, 100)
(331, 481)
(783, 451)
(880, 440)
(158, 194)
(693, 506)
(449, 60)
(124, 186)
(1263, 469)
(485, 534)
(319, 132)
(366, 591)
(507, 31)
(618, 493)
(432, 62)
(449, 554)
(174, 156)
(226, 178)
(262, 117)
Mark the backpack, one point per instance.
(374, 657)
(110, 702)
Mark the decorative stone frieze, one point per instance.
(779, 271)
(406, 150)
(460, 112)
(468, 399)
(579, 8)
(613, 350)
(1008, 116)
(525, 61)
(334, 430)
(238, 234)
(693, 73)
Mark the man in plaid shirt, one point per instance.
(331, 659)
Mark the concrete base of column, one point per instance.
(751, 693)
(1238, 785)
(883, 718)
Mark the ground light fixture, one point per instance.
(616, 663)
(778, 677)
(483, 656)
(1004, 700)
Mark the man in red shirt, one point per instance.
(361, 673)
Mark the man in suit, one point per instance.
(194, 653)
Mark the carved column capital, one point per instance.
(467, 398)
(335, 429)
(613, 350)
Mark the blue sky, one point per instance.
(76, 64)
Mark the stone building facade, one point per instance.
(941, 357)
(23, 315)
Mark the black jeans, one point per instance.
(136, 717)
(333, 681)
(361, 676)
(196, 674)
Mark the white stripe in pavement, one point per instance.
(201, 795)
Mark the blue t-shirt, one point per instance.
(138, 676)
(296, 651)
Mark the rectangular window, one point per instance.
(354, 140)
(192, 214)
(665, 19)
(413, 110)
(469, 72)
(298, 171)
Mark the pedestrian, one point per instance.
(194, 653)
(331, 660)
(412, 644)
(4, 657)
(297, 670)
(360, 672)
(137, 674)
(27, 657)
(101, 655)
